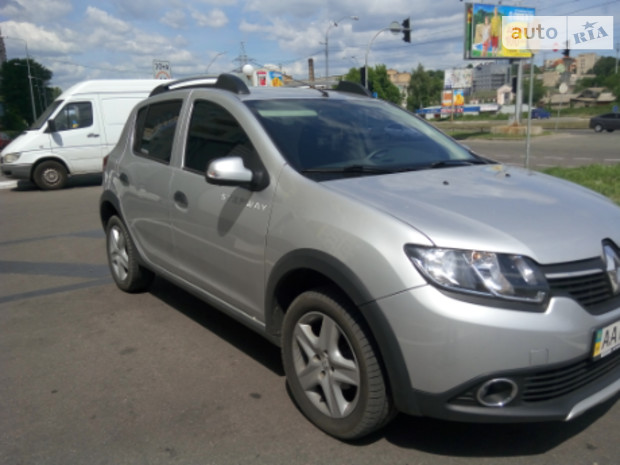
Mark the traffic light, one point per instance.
(407, 30)
(363, 76)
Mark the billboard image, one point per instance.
(483, 31)
(458, 78)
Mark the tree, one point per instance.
(424, 88)
(379, 83)
(605, 76)
(15, 91)
(538, 91)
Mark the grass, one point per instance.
(604, 179)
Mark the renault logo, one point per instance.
(612, 264)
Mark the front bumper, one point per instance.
(439, 352)
(16, 171)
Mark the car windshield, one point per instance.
(333, 138)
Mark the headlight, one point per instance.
(612, 261)
(11, 157)
(510, 277)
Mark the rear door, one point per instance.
(144, 176)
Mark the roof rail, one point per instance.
(353, 88)
(228, 82)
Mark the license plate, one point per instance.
(606, 340)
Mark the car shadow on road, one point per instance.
(225, 327)
(83, 180)
(423, 434)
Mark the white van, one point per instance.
(75, 132)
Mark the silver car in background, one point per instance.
(396, 270)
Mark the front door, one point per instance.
(219, 231)
(78, 137)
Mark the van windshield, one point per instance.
(45, 116)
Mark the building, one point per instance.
(490, 76)
(400, 80)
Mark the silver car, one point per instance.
(397, 270)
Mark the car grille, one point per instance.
(551, 384)
(588, 290)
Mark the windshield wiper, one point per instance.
(352, 169)
(447, 163)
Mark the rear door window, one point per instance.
(155, 129)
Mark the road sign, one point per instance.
(162, 69)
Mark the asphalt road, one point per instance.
(91, 375)
(565, 148)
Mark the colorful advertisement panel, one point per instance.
(483, 31)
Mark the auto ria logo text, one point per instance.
(558, 32)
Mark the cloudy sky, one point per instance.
(84, 39)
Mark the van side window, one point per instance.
(214, 133)
(74, 115)
(155, 127)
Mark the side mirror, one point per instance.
(230, 171)
(51, 126)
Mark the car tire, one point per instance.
(598, 128)
(50, 175)
(332, 367)
(610, 130)
(123, 258)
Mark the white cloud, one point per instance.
(174, 18)
(100, 18)
(39, 40)
(215, 18)
(35, 10)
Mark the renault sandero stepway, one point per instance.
(396, 270)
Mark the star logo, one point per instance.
(588, 25)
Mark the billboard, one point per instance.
(483, 31)
(458, 78)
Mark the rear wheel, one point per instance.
(332, 367)
(598, 128)
(50, 175)
(123, 258)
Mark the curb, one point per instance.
(8, 184)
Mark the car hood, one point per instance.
(494, 208)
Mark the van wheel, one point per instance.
(50, 175)
(331, 366)
(123, 258)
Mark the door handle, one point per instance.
(92, 134)
(181, 199)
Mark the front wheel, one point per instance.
(123, 258)
(50, 175)
(332, 367)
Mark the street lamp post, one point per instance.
(213, 59)
(332, 24)
(34, 111)
(395, 28)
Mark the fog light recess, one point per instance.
(497, 392)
